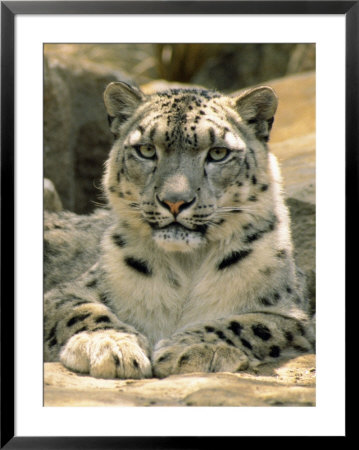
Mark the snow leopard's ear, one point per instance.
(121, 101)
(257, 108)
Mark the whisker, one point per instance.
(98, 204)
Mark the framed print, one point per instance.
(180, 98)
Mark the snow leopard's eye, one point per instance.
(146, 151)
(217, 154)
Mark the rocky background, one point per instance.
(77, 142)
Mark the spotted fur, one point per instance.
(196, 271)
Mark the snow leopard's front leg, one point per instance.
(232, 344)
(85, 335)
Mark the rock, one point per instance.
(52, 200)
(292, 384)
(295, 116)
(234, 66)
(296, 157)
(77, 139)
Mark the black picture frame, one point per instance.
(9, 10)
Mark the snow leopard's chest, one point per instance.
(160, 297)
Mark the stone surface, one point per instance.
(76, 134)
(52, 201)
(291, 384)
(293, 138)
(250, 64)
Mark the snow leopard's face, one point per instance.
(187, 162)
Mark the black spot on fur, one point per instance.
(105, 327)
(229, 342)
(300, 328)
(233, 258)
(138, 265)
(289, 336)
(117, 360)
(254, 179)
(52, 333)
(53, 342)
(265, 301)
(274, 351)
(261, 331)
(91, 283)
(235, 327)
(209, 329)
(164, 357)
(80, 330)
(77, 319)
(153, 132)
(183, 359)
(252, 237)
(81, 302)
(118, 240)
(211, 136)
(220, 334)
(135, 364)
(246, 343)
(264, 187)
(102, 319)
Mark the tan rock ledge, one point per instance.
(291, 384)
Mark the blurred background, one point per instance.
(76, 135)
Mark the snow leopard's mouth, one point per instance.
(177, 228)
(176, 237)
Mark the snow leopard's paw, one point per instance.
(176, 358)
(106, 354)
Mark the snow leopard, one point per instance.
(195, 270)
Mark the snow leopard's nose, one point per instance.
(176, 206)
